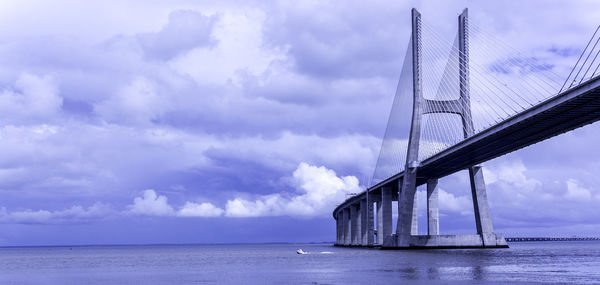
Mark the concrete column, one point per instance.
(433, 226)
(483, 219)
(406, 208)
(379, 209)
(364, 225)
(370, 222)
(340, 228)
(337, 229)
(384, 214)
(347, 226)
(415, 217)
(355, 224)
(359, 220)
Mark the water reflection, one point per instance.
(433, 273)
(443, 273)
(410, 273)
(478, 273)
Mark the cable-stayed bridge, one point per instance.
(455, 108)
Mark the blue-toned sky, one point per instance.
(248, 121)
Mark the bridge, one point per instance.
(526, 239)
(456, 118)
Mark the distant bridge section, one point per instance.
(526, 239)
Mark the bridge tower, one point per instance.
(406, 230)
(407, 222)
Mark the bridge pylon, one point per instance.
(406, 230)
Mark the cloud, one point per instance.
(239, 50)
(355, 41)
(185, 30)
(576, 192)
(191, 209)
(75, 214)
(267, 205)
(508, 181)
(152, 204)
(137, 102)
(33, 99)
(519, 198)
(450, 202)
(50, 162)
(318, 190)
(511, 173)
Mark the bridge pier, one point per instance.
(347, 226)
(384, 215)
(483, 219)
(485, 237)
(371, 234)
(363, 222)
(366, 214)
(355, 225)
(433, 223)
(414, 230)
(338, 230)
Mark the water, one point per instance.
(556, 262)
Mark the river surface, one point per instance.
(527, 262)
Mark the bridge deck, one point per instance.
(569, 110)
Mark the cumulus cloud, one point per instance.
(318, 190)
(32, 99)
(267, 205)
(191, 209)
(185, 30)
(519, 198)
(75, 214)
(137, 102)
(508, 181)
(151, 204)
(450, 202)
(577, 192)
(511, 177)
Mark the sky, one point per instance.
(128, 122)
